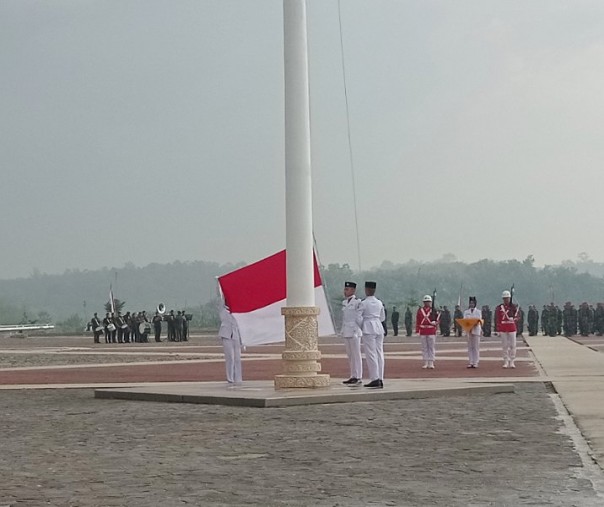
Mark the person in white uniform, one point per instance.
(474, 334)
(351, 332)
(370, 320)
(231, 343)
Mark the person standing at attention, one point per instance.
(351, 332)
(370, 321)
(426, 321)
(231, 344)
(506, 315)
(474, 334)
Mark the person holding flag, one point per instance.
(231, 344)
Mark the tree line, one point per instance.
(70, 299)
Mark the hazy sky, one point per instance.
(152, 130)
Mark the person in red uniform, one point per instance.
(425, 324)
(506, 316)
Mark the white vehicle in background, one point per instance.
(20, 330)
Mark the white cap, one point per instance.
(506, 294)
(427, 298)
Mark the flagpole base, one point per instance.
(301, 355)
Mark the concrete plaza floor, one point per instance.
(62, 447)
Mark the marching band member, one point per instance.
(369, 319)
(121, 327)
(425, 326)
(474, 334)
(96, 324)
(351, 332)
(231, 343)
(506, 315)
(106, 322)
(157, 318)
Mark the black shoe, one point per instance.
(351, 380)
(374, 384)
(382, 384)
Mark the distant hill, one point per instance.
(193, 284)
(179, 284)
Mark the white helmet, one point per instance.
(506, 294)
(427, 298)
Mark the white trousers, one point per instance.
(508, 343)
(428, 347)
(353, 351)
(374, 355)
(474, 349)
(232, 359)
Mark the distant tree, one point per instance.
(119, 305)
(44, 317)
(73, 324)
(208, 317)
(9, 313)
(529, 261)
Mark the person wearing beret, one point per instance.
(351, 332)
(370, 320)
(474, 334)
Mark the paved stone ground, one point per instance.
(592, 341)
(65, 448)
(202, 359)
(14, 360)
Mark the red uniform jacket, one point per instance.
(505, 318)
(423, 322)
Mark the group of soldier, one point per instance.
(584, 320)
(135, 327)
(569, 321)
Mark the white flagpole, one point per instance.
(301, 355)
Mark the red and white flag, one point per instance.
(255, 295)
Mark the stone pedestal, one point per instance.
(301, 355)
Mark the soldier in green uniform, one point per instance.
(584, 318)
(408, 322)
(551, 325)
(533, 320)
(567, 319)
(520, 322)
(457, 314)
(445, 321)
(487, 317)
(558, 320)
(599, 319)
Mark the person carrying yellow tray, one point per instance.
(471, 323)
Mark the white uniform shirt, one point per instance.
(371, 316)
(474, 313)
(228, 325)
(351, 311)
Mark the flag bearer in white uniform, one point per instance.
(426, 321)
(474, 334)
(370, 320)
(231, 343)
(351, 332)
